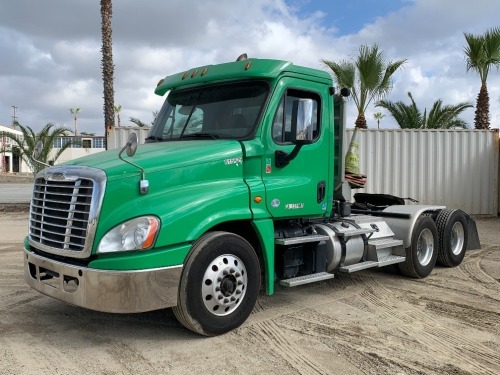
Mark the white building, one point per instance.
(84, 145)
(12, 162)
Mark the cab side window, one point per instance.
(285, 119)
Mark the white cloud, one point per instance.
(52, 63)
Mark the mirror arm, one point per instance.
(39, 162)
(143, 184)
(282, 158)
(36, 154)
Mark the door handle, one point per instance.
(321, 191)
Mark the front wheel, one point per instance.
(453, 236)
(422, 254)
(219, 284)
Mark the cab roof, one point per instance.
(248, 68)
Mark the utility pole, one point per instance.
(4, 159)
(14, 117)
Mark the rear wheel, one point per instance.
(451, 227)
(219, 284)
(422, 254)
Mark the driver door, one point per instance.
(301, 186)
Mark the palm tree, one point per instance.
(378, 116)
(74, 112)
(483, 52)
(368, 77)
(118, 108)
(141, 124)
(107, 65)
(440, 117)
(27, 142)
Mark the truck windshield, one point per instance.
(228, 111)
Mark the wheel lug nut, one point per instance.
(219, 297)
(217, 289)
(240, 282)
(238, 291)
(219, 279)
(225, 273)
(233, 299)
(226, 300)
(237, 274)
(232, 270)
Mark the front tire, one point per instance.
(219, 284)
(453, 236)
(422, 254)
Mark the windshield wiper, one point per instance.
(201, 135)
(154, 138)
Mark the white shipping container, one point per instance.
(457, 168)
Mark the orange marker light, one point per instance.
(257, 199)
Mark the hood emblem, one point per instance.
(55, 176)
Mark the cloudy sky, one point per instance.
(50, 50)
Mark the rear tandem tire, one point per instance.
(422, 254)
(219, 284)
(453, 236)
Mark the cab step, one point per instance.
(307, 279)
(303, 239)
(384, 243)
(385, 261)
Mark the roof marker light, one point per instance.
(204, 71)
(185, 75)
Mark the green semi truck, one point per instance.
(238, 187)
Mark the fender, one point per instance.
(403, 228)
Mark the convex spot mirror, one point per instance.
(38, 150)
(131, 146)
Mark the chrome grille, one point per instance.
(64, 209)
(60, 213)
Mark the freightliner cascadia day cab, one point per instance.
(238, 188)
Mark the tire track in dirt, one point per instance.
(438, 337)
(280, 343)
(355, 344)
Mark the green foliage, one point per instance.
(368, 77)
(409, 116)
(27, 142)
(141, 124)
(483, 53)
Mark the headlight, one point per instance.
(135, 234)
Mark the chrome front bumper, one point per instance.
(103, 290)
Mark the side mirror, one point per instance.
(302, 130)
(303, 112)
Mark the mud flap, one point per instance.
(473, 240)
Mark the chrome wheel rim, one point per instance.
(425, 247)
(224, 285)
(457, 238)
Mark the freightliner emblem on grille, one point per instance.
(55, 176)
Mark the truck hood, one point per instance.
(161, 156)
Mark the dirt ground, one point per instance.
(370, 322)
